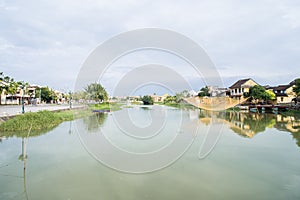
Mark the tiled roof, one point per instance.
(239, 83)
(280, 87)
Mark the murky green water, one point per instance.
(256, 157)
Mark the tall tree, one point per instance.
(296, 89)
(147, 100)
(47, 95)
(96, 92)
(258, 92)
(204, 92)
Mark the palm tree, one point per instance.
(3, 84)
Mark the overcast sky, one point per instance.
(45, 42)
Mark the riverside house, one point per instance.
(284, 93)
(238, 89)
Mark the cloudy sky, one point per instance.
(45, 42)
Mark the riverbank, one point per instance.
(32, 121)
(41, 120)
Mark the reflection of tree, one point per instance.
(22, 134)
(94, 121)
(296, 136)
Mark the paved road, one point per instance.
(6, 110)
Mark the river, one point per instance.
(166, 153)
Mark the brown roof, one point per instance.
(239, 83)
(281, 87)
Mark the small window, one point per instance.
(281, 98)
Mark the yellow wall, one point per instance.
(289, 98)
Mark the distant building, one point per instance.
(159, 99)
(284, 93)
(192, 93)
(238, 89)
(215, 91)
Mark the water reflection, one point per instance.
(249, 124)
(22, 134)
(23, 158)
(94, 121)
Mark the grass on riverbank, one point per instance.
(46, 120)
(106, 106)
(41, 120)
(178, 105)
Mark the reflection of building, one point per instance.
(238, 89)
(239, 124)
(249, 124)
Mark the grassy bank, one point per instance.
(180, 105)
(47, 120)
(41, 120)
(106, 106)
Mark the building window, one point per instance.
(236, 90)
(239, 90)
(242, 89)
(281, 98)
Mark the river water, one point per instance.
(193, 155)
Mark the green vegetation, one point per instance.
(9, 86)
(94, 121)
(296, 89)
(106, 106)
(147, 100)
(204, 92)
(234, 109)
(96, 92)
(291, 112)
(31, 121)
(41, 120)
(258, 92)
(47, 95)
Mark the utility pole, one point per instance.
(22, 99)
(70, 99)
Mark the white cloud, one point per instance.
(45, 42)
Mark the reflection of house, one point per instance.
(238, 89)
(284, 93)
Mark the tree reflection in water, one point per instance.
(94, 121)
(249, 124)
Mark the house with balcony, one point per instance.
(238, 89)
